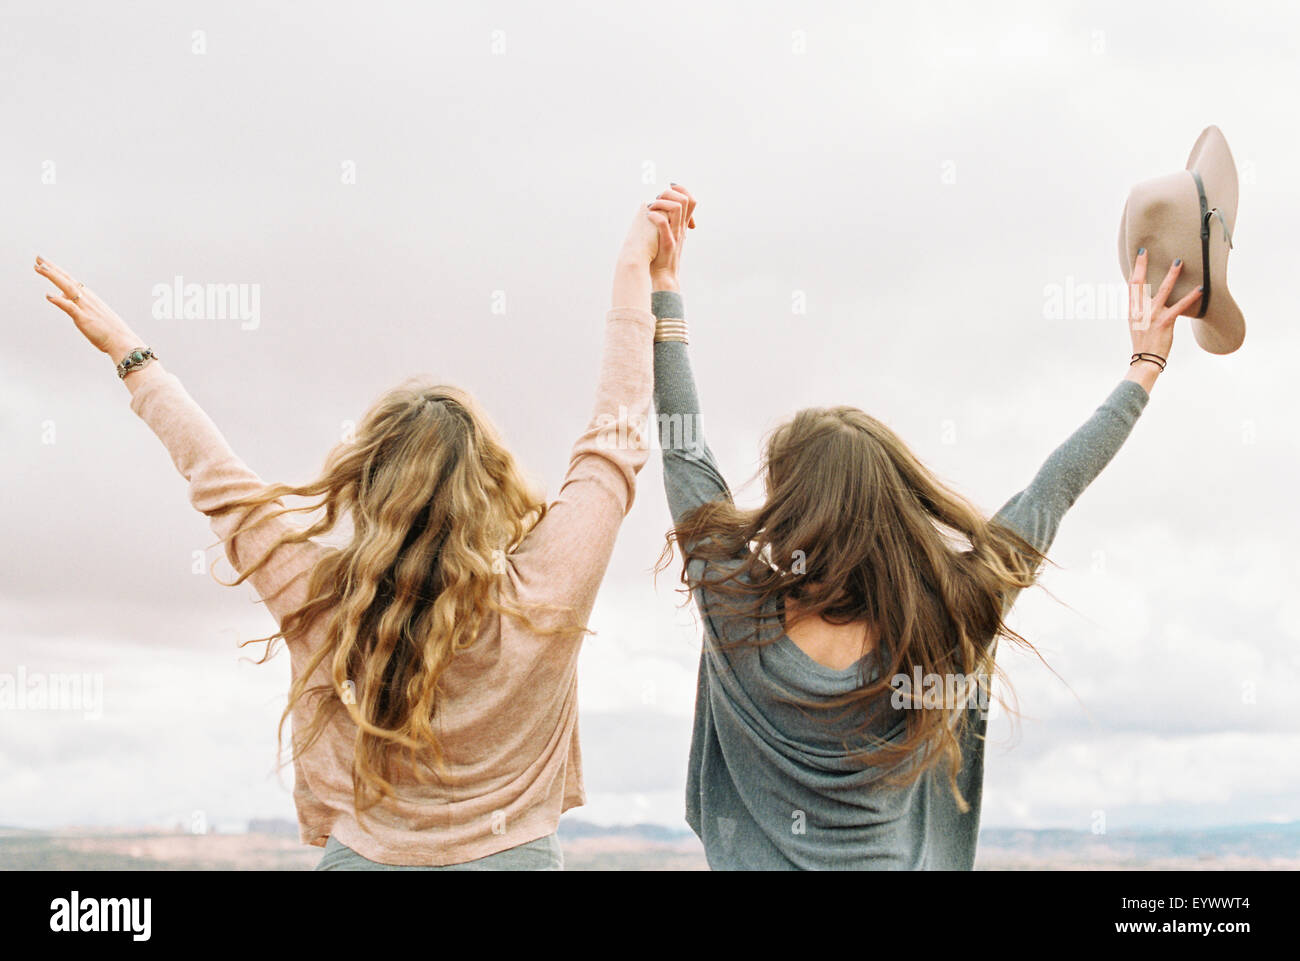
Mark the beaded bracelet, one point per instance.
(135, 360)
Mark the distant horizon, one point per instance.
(275, 844)
(684, 830)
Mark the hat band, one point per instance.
(1205, 245)
(1206, 214)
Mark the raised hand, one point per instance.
(649, 231)
(1151, 318)
(678, 205)
(97, 322)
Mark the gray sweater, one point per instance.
(770, 784)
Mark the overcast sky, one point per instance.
(442, 189)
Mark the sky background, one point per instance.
(919, 178)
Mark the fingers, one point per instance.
(674, 208)
(667, 238)
(684, 217)
(59, 277)
(690, 203)
(68, 286)
(1184, 306)
(1139, 274)
(64, 304)
(680, 199)
(684, 199)
(1162, 295)
(1137, 288)
(680, 195)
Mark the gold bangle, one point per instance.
(670, 329)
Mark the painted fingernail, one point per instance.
(1178, 262)
(1141, 251)
(1201, 288)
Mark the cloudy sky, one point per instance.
(890, 199)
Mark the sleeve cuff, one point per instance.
(667, 303)
(148, 380)
(635, 314)
(1131, 395)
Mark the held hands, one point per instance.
(1151, 320)
(658, 233)
(95, 319)
(677, 204)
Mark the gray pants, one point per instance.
(541, 855)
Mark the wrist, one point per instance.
(119, 347)
(664, 280)
(632, 258)
(1144, 373)
(631, 285)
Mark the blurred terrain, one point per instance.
(274, 846)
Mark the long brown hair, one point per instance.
(436, 502)
(855, 528)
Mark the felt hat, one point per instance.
(1191, 214)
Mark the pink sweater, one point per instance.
(509, 717)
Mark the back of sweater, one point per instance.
(770, 783)
(509, 717)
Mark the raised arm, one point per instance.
(217, 478)
(691, 474)
(1036, 512)
(564, 559)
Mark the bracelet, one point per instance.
(136, 359)
(1153, 358)
(671, 329)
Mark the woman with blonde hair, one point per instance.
(851, 620)
(433, 703)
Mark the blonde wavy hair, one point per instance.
(856, 528)
(436, 503)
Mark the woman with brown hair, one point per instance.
(851, 620)
(434, 656)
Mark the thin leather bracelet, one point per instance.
(1147, 355)
(1150, 357)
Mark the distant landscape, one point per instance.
(273, 846)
